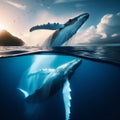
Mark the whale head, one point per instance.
(79, 20)
(69, 68)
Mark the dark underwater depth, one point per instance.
(95, 84)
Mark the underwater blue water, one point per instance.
(95, 89)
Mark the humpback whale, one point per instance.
(54, 80)
(63, 31)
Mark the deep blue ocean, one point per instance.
(95, 84)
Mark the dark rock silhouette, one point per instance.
(7, 39)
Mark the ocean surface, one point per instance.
(95, 84)
(108, 53)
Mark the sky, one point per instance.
(18, 16)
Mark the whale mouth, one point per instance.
(74, 66)
(83, 17)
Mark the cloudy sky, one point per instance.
(103, 26)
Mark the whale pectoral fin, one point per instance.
(67, 98)
(26, 94)
(49, 26)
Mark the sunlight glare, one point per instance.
(1, 27)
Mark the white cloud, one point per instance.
(65, 1)
(60, 1)
(17, 5)
(107, 30)
(114, 35)
(109, 24)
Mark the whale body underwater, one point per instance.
(54, 80)
(31, 86)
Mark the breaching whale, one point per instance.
(54, 80)
(63, 31)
